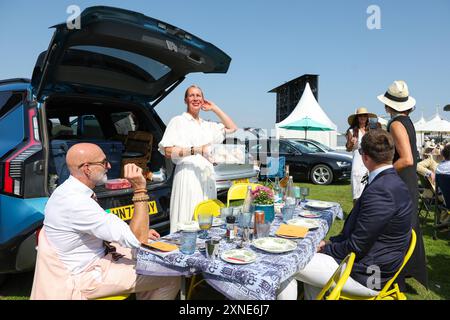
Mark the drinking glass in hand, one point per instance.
(205, 220)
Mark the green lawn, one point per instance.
(437, 251)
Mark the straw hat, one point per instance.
(397, 97)
(359, 111)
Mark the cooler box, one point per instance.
(58, 150)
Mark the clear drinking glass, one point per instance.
(205, 220)
(304, 191)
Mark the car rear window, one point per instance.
(117, 60)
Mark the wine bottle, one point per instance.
(284, 181)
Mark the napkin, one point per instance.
(291, 231)
(161, 246)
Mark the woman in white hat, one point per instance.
(399, 105)
(359, 125)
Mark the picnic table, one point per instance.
(259, 280)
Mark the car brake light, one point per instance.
(14, 164)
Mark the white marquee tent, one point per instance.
(435, 125)
(308, 107)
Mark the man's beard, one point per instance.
(101, 180)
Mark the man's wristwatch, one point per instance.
(192, 151)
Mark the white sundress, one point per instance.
(194, 179)
(358, 169)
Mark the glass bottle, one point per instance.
(230, 233)
(247, 207)
(290, 194)
(277, 192)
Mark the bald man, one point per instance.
(72, 261)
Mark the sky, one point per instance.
(356, 53)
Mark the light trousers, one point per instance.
(106, 277)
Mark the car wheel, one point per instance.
(321, 174)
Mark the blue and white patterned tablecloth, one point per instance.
(256, 281)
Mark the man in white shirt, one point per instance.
(444, 166)
(75, 227)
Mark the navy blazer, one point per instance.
(378, 229)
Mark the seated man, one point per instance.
(72, 262)
(444, 166)
(427, 167)
(378, 229)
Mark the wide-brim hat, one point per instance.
(359, 111)
(397, 97)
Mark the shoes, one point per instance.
(445, 217)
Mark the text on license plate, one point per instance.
(241, 181)
(126, 212)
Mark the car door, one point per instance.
(294, 158)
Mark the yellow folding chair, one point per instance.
(238, 191)
(210, 205)
(213, 206)
(337, 280)
(388, 293)
(118, 297)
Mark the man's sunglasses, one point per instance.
(103, 163)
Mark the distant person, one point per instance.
(444, 166)
(427, 167)
(399, 105)
(378, 229)
(359, 125)
(75, 260)
(186, 142)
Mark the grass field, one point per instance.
(437, 252)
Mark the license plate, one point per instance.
(241, 181)
(126, 212)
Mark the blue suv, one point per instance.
(92, 84)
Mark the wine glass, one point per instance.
(205, 220)
(304, 191)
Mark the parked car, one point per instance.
(118, 66)
(305, 164)
(320, 147)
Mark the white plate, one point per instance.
(238, 256)
(309, 214)
(217, 222)
(318, 204)
(307, 223)
(274, 245)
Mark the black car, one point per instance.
(305, 164)
(91, 85)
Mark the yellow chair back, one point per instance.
(388, 293)
(338, 279)
(118, 297)
(210, 205)
(238, 191)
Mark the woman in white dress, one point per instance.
(186, 142)
(359, 124)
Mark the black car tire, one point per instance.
(321, 174)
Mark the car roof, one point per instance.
(14, 84)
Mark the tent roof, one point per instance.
(308, 107)
(436, 124)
